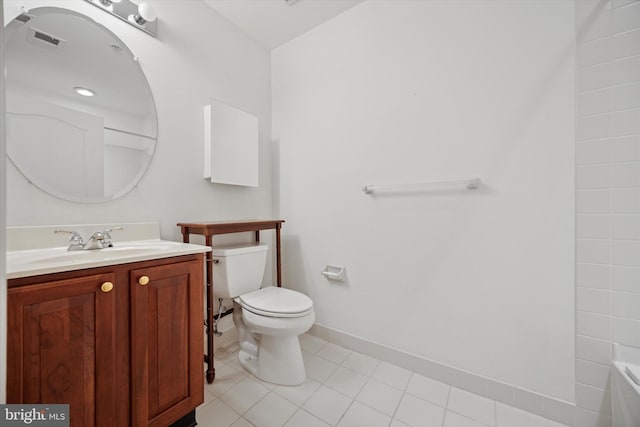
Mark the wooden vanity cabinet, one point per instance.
(123, 345)
(61, 347)
(167, 342)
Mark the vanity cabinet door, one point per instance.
(61, 347)
(167, 342)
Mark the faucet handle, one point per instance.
(75, 236)
(106, 236)
(109, 230)
(75, 242)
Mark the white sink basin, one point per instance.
(52, 260)
(100, 254)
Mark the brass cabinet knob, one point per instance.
(106, 287)
(144, 280)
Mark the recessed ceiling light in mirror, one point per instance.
(84, 91)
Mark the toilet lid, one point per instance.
(276, 301)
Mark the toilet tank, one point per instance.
(238, 269)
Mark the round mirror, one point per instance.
(81, 121)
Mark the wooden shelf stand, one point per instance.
(210, 229)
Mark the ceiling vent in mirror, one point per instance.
(44, 39)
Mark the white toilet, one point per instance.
(268, 320)
(625, 386)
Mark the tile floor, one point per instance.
(345, 388)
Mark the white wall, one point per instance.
(408, 91)
(197, 55)
(607, 196)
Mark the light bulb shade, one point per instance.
(146, 13)
(140, 14)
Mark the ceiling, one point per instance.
(274, 22)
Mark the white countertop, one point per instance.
(36, 250)
(35, 262)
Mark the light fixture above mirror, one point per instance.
(108, 3)
(142, 15)
(146, 13)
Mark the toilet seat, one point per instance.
(272, 301)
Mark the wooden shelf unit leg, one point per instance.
(211, 370)
(208, 358)
(278, 255)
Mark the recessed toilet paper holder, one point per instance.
(334, 272)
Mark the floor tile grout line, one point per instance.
(468, 418)
(362, 373)
(354, 399)
(345, 411)
(260, 400)
(244, 418)
(335, 389)
(251, 407)
(301, 409)
(446, 405)
(228, 406)
(305, 400)
(495, 413)
(375, 409)
(298, 408)
(493, 402)
(404, 393)
(370, 378)
(315, 353)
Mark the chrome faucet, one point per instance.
(98, 240)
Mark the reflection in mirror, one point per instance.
(81, 121)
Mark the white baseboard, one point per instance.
(548, 407)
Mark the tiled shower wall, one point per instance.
(608, 196)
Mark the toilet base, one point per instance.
(279, 361)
